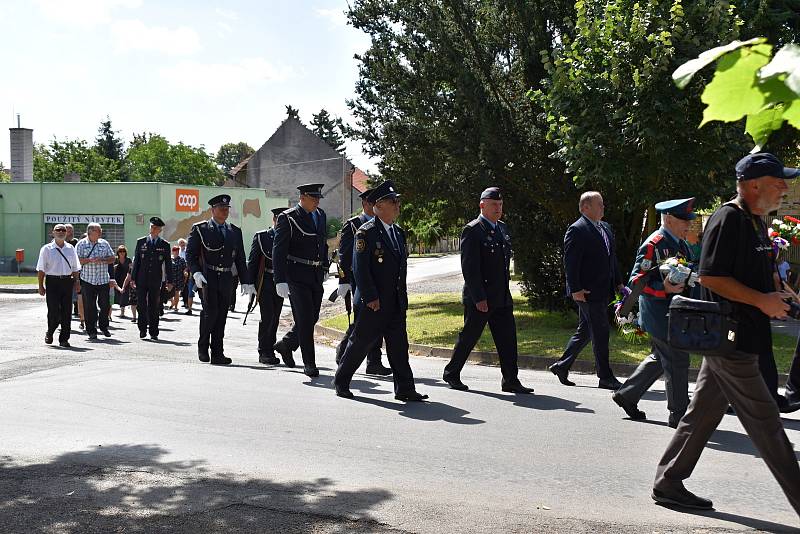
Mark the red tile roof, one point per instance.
(360, 180)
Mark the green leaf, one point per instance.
(792, 114)
(683, 74)
(786, 61)
(732, 93)
(761, 125)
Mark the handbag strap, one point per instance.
(65, 258)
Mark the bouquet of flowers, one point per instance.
(628, 325)
(677, 270)
(784, 233)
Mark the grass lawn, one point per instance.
(14, 279)
(437, 319)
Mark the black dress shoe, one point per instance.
(48, 337)
(630, 408)
(188, 312)
(154, 338)
(106, 332)
(516, 388)
(221, 360)
(378, 369)
(310, 371)
(609, 383)
(411, 396)
(456, 383)
(93, 337)
(562, 374)
(268, 360)
(203, 356)
(142, 334)
(344, 393)
(683, 498)
(790, 406)
(64, 344)
(281, 348)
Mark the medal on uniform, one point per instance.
(361, 245)
(646, 264)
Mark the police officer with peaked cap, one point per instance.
(379, 270)
(259, 264)
(485, 264)
(374, 365)
(300, 261)
(656, 293)
(151, 263)
(214, 247)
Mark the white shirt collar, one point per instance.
(385, 226)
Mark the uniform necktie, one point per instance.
(221, 228)
(395, 243)
(605, 237)
(315, 218)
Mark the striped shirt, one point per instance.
(94, 273)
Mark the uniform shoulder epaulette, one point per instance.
(366, 226)
(472, 224)
(352, 220)
(199, 223)
(502, 224)
(657, 238)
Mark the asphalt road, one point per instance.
(138, 436)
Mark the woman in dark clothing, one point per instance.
(121, 269)
(179, 276)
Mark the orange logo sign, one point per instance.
(187, 200)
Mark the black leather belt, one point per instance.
(304, 261)
(58, 276)
(219, 269)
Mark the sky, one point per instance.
(200, 72)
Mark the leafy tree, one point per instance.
(5, 174)
(57, 159)
(107, 144)
(329, 129)
(777, 20)
(292, 113)
(230, 154)
(151, 158)
(441, 102)
(620, 125)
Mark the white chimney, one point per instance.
(21, 153)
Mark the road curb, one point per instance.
(525, 361)
(21, 288)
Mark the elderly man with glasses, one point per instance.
(58, 268)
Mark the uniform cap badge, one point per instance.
(361, 245)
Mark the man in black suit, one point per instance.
(300, 261)
(592, 276)
(379, 268)
(485, 264)
(214, 247)
(151, 261)
(259, 265)
(346, 243)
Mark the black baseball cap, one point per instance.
(754, 166)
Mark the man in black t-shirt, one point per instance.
(737, 264)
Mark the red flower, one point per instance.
(791, 219)
(774, 234)
(795, 240)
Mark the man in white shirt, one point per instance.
(58, 268)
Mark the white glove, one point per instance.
(199, 280)
(344, 289)
(282, 289)
(248, 289)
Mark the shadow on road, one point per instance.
(424, 411)
(758, 524)
(131, 488)
(729, 441)
(536, 402)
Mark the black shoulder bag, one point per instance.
(701, 326)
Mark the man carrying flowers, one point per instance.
(662, 269)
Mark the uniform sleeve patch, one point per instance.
(361, 245)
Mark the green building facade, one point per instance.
(28, 212)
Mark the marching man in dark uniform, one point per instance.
(656, 293)
(379, 271)
(214, 246)
(300, 261)
(485, 264)
(374, 365)
(259, 264)
(151, 263)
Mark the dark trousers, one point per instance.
(185, 294)
(373, 354)
(388, 323)
(793, 384)
(592, 326)
(674, 365)
(95, 296)
(269, 304)
(214, 315)
(59, 304)
(306, 300)
(738, 381)
(148, 298)
(504, 332)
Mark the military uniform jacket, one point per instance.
(654, 301)
(208, 252)
(296, 237)
(485, 263)
(346, 247)
(261, 251)
(378, 270)
(151, 262)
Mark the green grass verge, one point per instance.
(14, 279)
(437, 319)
